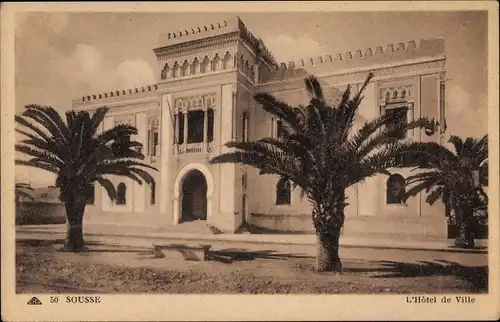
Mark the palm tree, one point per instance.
(79, 156)
(455, 177)
(21, 191)
(320, 153)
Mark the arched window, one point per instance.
(121, 191)
(176, 71)
(395, 190)
(195, 67)
(91, 195)
(165, 73)
(205, 65)
(226, 63)
(216, 63)
(283, 192)
(185, 68)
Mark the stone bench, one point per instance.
(188, 252)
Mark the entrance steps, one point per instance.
(199, 227)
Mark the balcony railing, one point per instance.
(199, 147)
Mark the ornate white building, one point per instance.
(203, 99)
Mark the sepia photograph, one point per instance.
(237, 152)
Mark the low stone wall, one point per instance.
(40, 213)
(285, 223)
(397, 227)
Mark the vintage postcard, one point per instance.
(250, 161)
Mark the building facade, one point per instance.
(204, 98)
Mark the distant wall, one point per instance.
(40, 213)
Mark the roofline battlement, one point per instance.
(381, 54)
(172, 38)
(232, 25)
(195, 33)
(257, 43)
(88, 99)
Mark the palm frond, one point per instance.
(39, 165)
(50, 119)
(42, 155)
(109, 187)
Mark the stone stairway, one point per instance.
(200, 227)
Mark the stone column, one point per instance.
(106, 203)
(205, 129)
(225, 219)
(140, 190)
(165, 191)
(233, 112)
(372, 191)
(185, 130)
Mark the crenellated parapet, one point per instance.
(198, 32)
(374, 57)
(89, 99)
(232, 25)
(256, 43)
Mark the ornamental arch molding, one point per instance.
(179, 180)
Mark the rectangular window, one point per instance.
(156, 147)
(244, 180)
(399, 121)
(149, 143)
(176, 134)
(210, 134)
(195, 126)
(153, 193)
(180, 132)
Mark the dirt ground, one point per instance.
(41, 268)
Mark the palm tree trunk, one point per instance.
(468, 233)
(464, 219)
(328, 222)
(327, 252)
(74, 236)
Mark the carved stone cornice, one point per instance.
(353, 77)
(198, 81)
(196, 102)
(196, 46)
(127, 119)
(394, 94)
(152, 105)
(154, 121)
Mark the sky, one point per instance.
(61, 56)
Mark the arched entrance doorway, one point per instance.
(194, 197)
